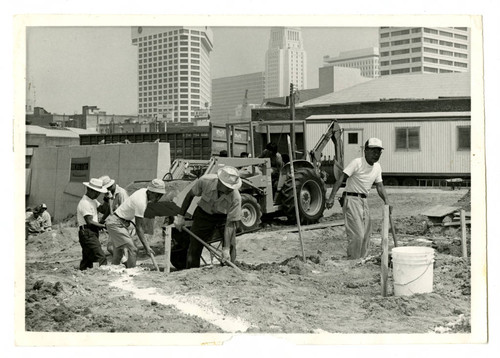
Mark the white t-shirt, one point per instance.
(362, 176)
(85, 207)
(133, 206)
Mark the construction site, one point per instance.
(291, 274)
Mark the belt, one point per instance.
(357, 194)
(90, 227)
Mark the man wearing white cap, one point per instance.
(132, 211)
(361, 173)
(219, 206)
(89, 226)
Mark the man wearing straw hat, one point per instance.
(361, 173)
(115, 196)
(89, 225)
(219, 206)
(132, 212)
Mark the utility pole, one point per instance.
(292, 118)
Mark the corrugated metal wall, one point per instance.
(438, 145)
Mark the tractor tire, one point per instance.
(251, 213)
(311, 196)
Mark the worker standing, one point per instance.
(219, 207)
(132, 212)
(89, 226)
(361, 173)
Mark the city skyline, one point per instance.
(71, 67)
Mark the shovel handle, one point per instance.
(154, 262)
(214, 251)
(393, 230)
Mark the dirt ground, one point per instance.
(276, 292)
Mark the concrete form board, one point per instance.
(123, 162)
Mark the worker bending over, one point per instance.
(361, 173)
(132, 212)
(219, 206)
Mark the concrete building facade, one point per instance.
(286, 62)
(174, 79)
(424, 50)
(367, 60)
(232, 94)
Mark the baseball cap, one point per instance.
(374, 143)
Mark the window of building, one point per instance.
(400, 42)
(352, 138)
(446, 43)
(384, 63)
(430, 59)
(430, 69)
(446, 33)
(461, 64)
(464, 47)
(445, 53)
(400, 70)
(460, 55)
(416, 69)
(416, 30)
(384, 35)
(399, 33)
(446, 62)
(416, 49)
(431, 50)
(463, 137)
(400, 61)
(431, 41)
(460, 37)
(441, 70)
(415, 59)
(408, 138)
(416, 39)
(384, 44)
(430, 31)
(400, 52)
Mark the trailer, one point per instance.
(186, 142)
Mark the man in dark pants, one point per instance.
(89, 226)
(219, 206)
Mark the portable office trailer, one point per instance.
(189, 142)
(419, 148)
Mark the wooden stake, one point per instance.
(166, 232)
(296, 202)
(464, 233)
(385, 251)
(393, 230)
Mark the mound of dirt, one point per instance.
(464, 202)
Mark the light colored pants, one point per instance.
(120, 237)
(358, 226)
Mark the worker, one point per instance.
(244, 155)
(33, 222)
(271, 152)
(46, 219)
(361, 173)
(219, 208)
(223, 153)
(115, 196)
(89, 225)
(132, 212)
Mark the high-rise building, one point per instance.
(173, 71)
(424, 50)
(230, 92)
(367, 60)
(285, 62)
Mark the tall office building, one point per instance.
(173, 71)
(285, 62)
(424, 50)
(229, 93)
(367, 60)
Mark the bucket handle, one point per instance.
(415, 279)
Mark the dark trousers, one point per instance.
(91, 248)
(204, 226)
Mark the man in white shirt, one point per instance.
(89, 225)
(115, 196)
(361, 173)
(132, 211)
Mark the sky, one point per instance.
(70, 67)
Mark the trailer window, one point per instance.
(463, 138)
(352, 138)
(408, 138)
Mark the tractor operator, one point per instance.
(219, 207)
(361, 173)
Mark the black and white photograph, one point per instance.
(317, 178)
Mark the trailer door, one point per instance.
(353, 144)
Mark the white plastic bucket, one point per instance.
(413, 270)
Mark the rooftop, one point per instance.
(399, 87)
